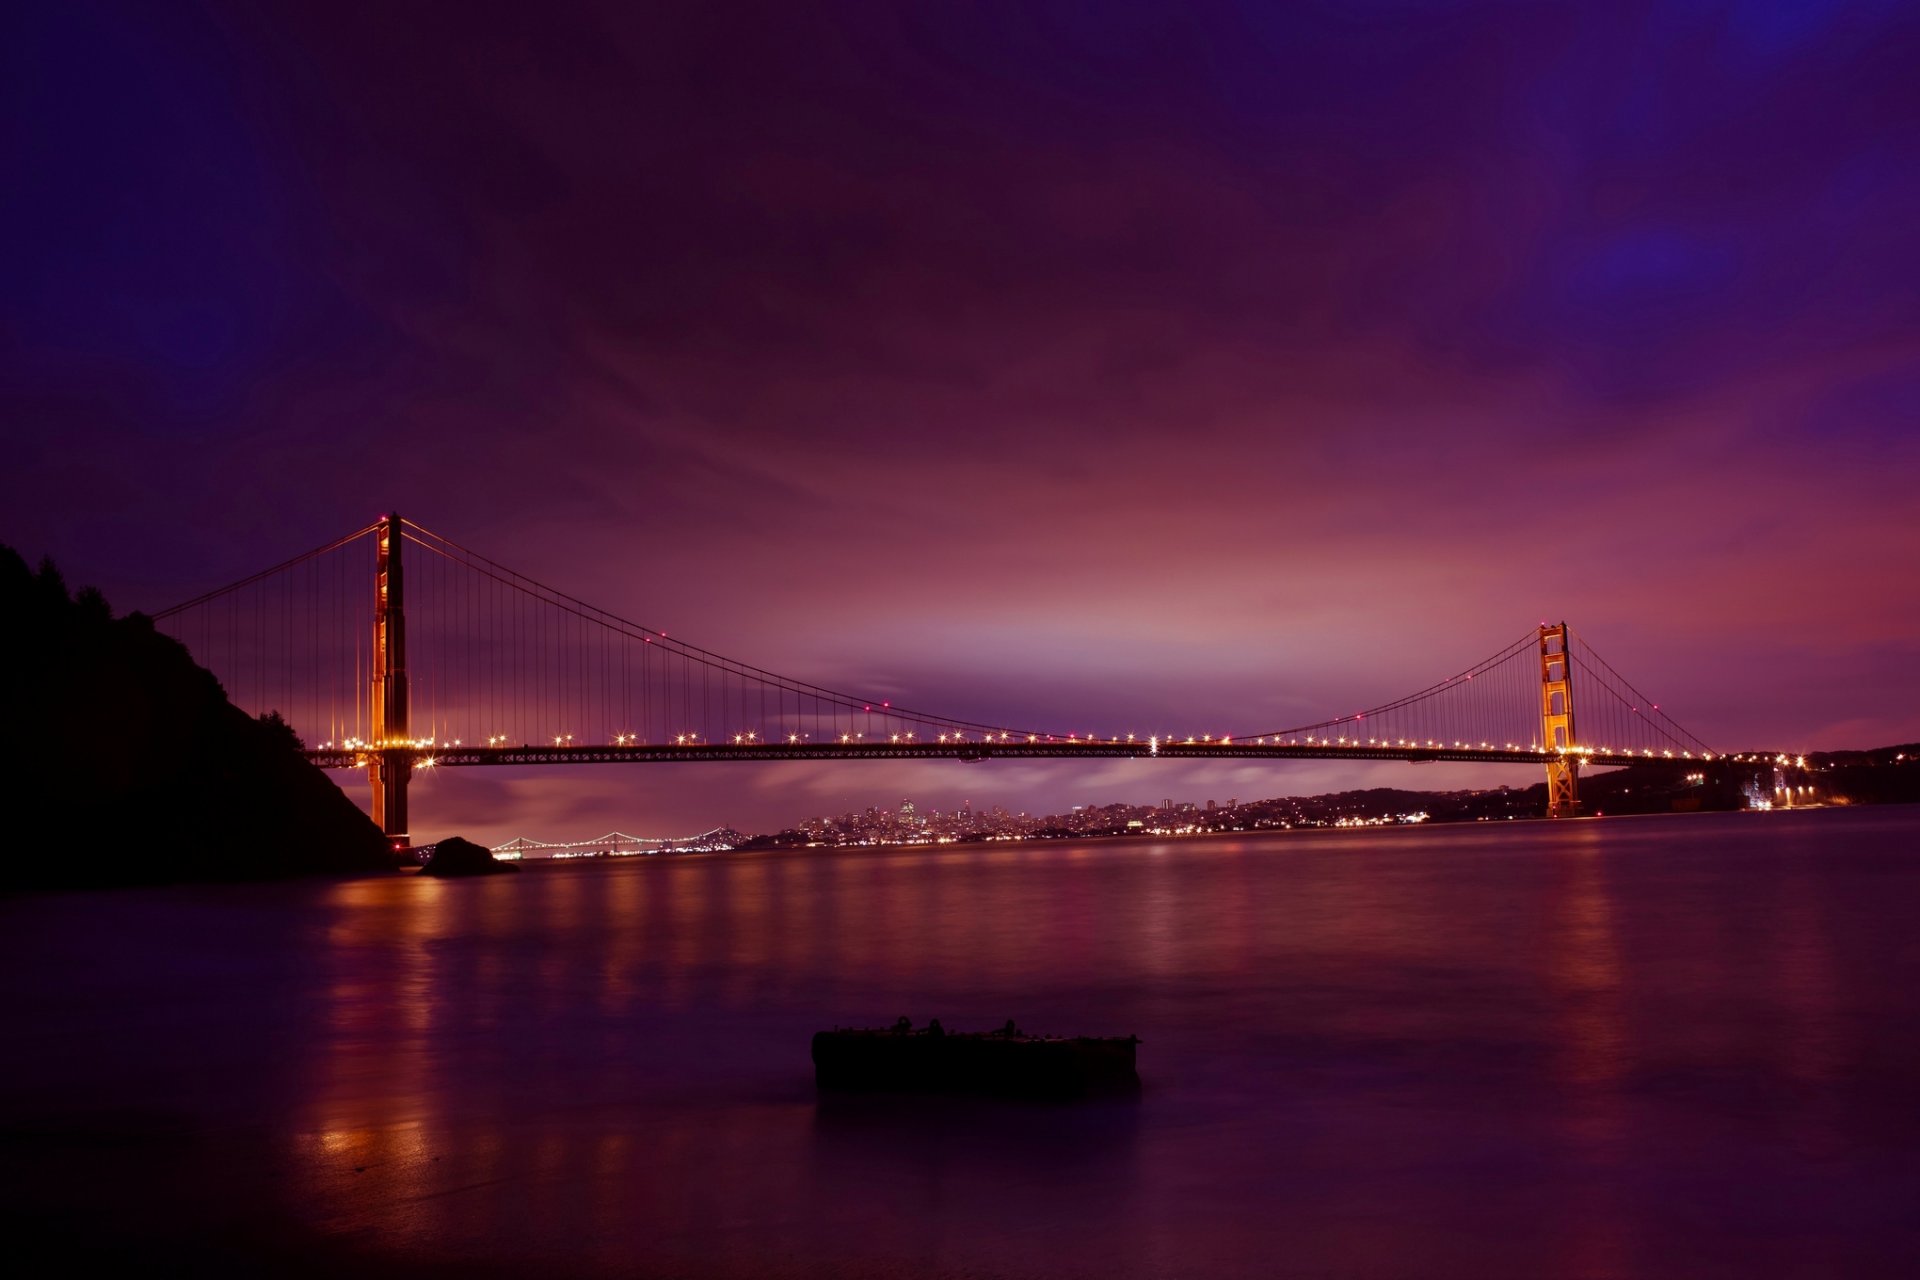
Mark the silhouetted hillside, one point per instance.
(125, 763)
(1885, 775)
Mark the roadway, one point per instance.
(442, 756)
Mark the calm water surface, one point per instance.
(1632, 1047)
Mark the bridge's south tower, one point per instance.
(1556, 722)
(393, 757)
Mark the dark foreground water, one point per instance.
(1639, 1047)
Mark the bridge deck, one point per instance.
(643, 753)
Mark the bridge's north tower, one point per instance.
(1556, 722)
(392, 764)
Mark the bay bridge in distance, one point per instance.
(395, 662)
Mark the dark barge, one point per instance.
(1007, 1062)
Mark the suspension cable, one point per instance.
(284, 565)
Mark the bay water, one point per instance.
(1681, 1046)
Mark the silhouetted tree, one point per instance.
(92, 607)
(279, 733)
(53, 586)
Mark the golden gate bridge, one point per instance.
(395, 661)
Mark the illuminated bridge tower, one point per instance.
(393, 757)
(1556, 723)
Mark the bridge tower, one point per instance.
(393, 758)
(1556, 722)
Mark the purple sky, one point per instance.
(1219, 363)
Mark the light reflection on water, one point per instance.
(1639, 1047)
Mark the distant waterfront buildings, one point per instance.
(908, 825)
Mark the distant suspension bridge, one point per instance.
(615, 844)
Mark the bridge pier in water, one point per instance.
(392, 764)
(1556, 722)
